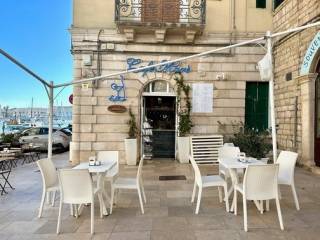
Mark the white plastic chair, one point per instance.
(110, 156)
(76, 188)
(228, 144)
(260, 183)
(228, 152)
(129, 183)
(207, 181)
(287, 162)
(50, 183)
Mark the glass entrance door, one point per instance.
(160, 113)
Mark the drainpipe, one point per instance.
(98, 57)
(295, 124)
(246, 17)
(233, 26)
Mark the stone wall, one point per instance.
(294, 13)
(95, 128)
(288, 56)
(99, 14)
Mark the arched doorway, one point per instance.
(158, 120)
(310, 103)
(317, 118)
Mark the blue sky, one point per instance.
(36, 33)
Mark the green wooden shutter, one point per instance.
(256, 110)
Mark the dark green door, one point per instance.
(317, 122)
(257, 101)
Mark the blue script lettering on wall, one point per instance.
(119, 89)
(166, 68)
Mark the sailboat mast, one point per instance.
(31, 107)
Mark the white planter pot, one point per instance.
(264, 160)
(131, 151)
(183, 149)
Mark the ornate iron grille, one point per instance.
(130, 11)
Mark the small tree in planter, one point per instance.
(131, 141)
(253, 142)
(184, 116)
(11, 139)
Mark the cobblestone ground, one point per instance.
(169, 213)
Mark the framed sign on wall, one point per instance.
(202, 97)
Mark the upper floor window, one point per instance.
(158, 86)
(163, 10)
(160, 11)
(261, 3)
(277, 3)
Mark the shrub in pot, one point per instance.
(255, 143)
(131, 141)
(11, 139)
(184, 116)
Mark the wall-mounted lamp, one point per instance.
(221, 76)
(86, 86)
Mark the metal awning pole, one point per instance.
(50, 138)
(271, 99)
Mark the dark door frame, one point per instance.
(155, 95)
(316, 139)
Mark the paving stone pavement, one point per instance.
(169, 213)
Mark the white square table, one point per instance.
(101, 171)
(232, 164)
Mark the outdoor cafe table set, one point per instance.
(100, 170)
(233, 165)
(7, 161)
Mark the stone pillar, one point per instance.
(307, 94)
(83, 120)
(74, 153)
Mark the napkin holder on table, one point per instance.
(93, 161)
(242, 157)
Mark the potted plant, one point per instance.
(131, 141)
(254, 142)
(184, 119)
(10, 139)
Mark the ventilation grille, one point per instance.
(204, 149)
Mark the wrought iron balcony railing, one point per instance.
(160, 12)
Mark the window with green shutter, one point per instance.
(261, 3)
(257, 102)
(277, 3)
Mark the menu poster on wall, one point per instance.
(202, 97)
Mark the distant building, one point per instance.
(112, 36)
(40, 113)
(297, 83)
